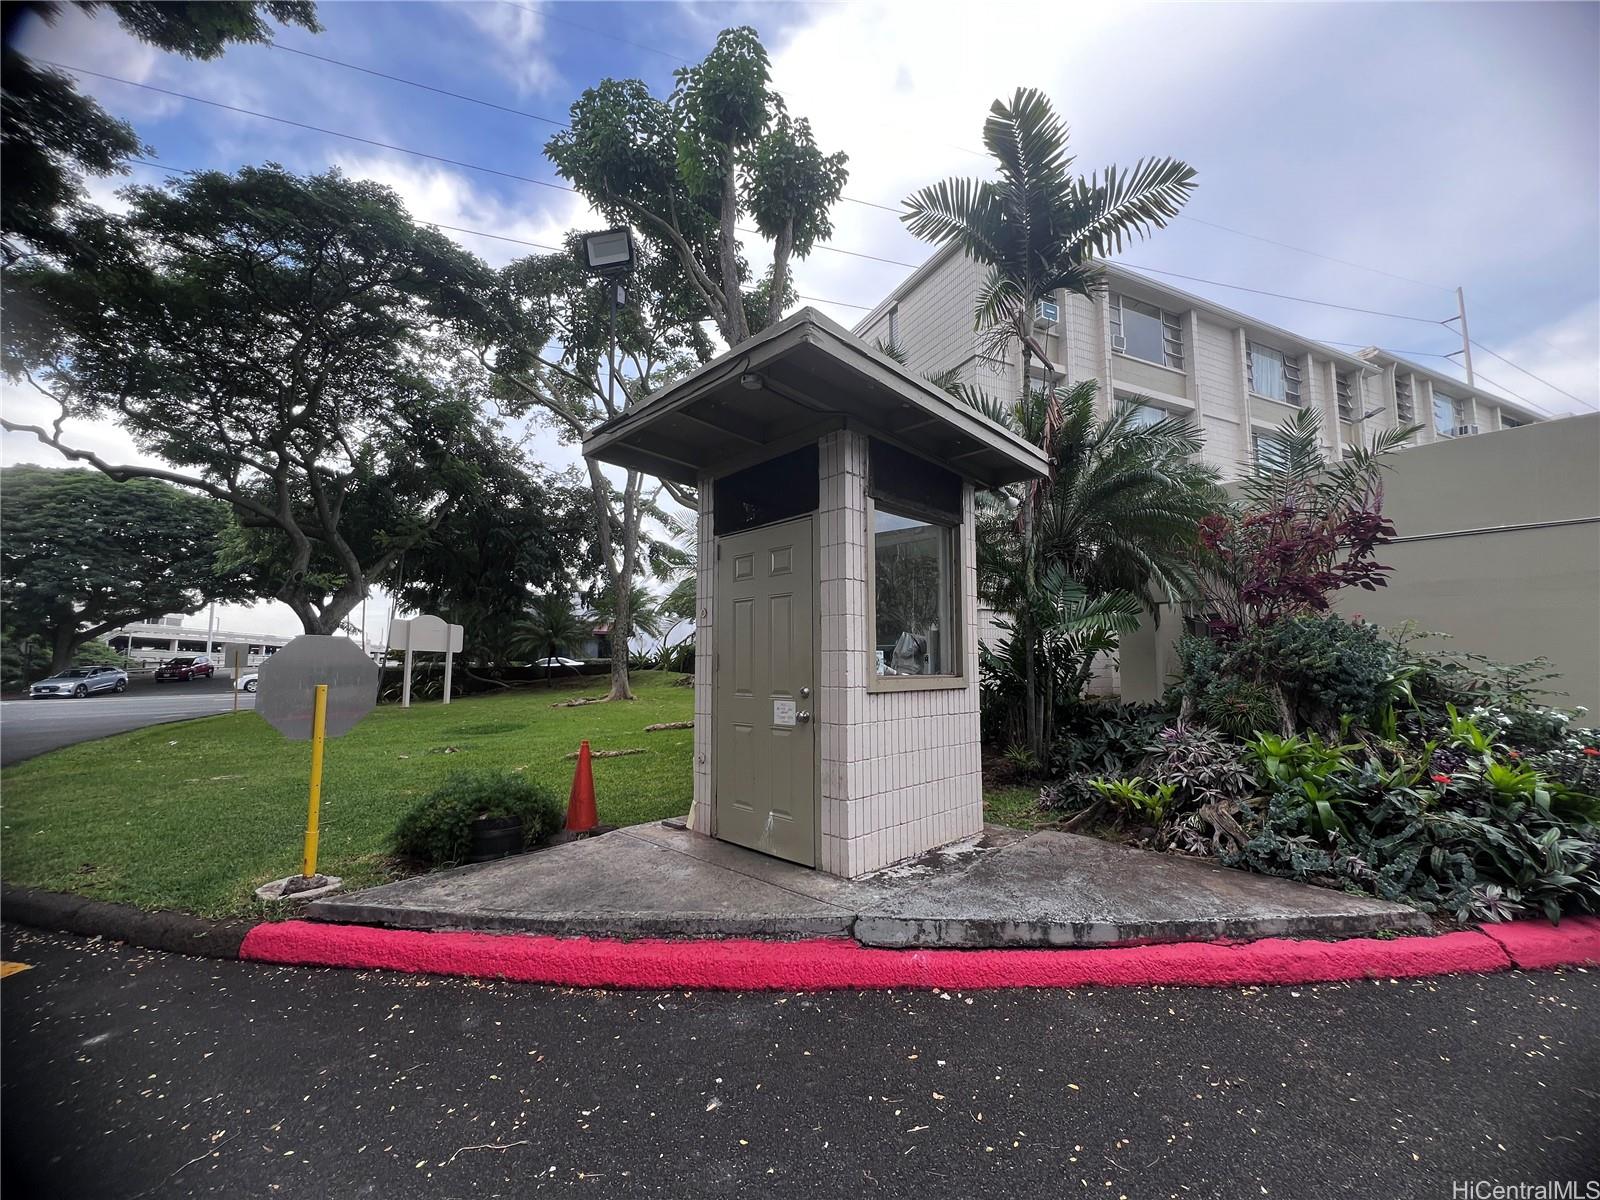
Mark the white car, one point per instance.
(551, 664)
(246, 683)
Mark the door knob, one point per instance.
(802, 716)
(805, 692)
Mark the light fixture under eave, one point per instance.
(751, 381)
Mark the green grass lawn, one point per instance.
(196, 815)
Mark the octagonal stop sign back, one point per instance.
(286, 687)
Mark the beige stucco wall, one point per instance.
(1499, 547)
(899, 772)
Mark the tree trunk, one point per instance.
(738, 329)
(62, 645)
(1031, 715)
(620, 687)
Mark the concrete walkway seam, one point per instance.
(824, 963)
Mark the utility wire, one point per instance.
(1371, 312)
(888, 208)
(501, 237)
(832, 249)
(1525, 371)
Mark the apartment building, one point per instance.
(1238, 377)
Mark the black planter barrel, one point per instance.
(495, 837)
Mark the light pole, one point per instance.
(609, 254)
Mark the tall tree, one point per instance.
(1113, 532)
(520, 533)
(1038, 228)
(82, 554)
(547, 350)
(684, 171)
(51, 134)
(551, 627)
(287, 345)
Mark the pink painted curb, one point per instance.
(747, 965)
(1536, 944)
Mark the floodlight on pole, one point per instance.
(609, 254)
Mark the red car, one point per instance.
(185, 669)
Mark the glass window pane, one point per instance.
(1266, 373)
(1145, 415)
(913, 604)
(1444, 413)
(1142, 332)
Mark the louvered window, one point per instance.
(1404, 410)
(1347, 403)
(1274, 374)
(1146, 332)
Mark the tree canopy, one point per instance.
(547, 349)
(51, 134)
(288, 345)
(83, 554)
(686, 170)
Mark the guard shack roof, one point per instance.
(792, 383)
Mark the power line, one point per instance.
(501, 237)
(1525, 371)
(479, 100)
(560, 187)
(427, 87)
(250, 112)
(1371, 312)
(1256, 237)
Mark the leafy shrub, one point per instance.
(1136, 798)
(1200, 764)
(1070, 793)
(438, 830)
(1106, 739)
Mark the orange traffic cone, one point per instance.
(581, 816)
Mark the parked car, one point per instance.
(246, 683)
(79, 682)
(198, 666)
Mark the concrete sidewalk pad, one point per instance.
(1005, 889)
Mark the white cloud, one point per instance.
(1564, 353)
(515, 35)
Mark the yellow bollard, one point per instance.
(319, 721)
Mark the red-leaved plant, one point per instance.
(1303, 529)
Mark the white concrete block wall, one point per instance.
(935, 320)
(700, 812)
(901, 771)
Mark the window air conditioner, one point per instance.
(1466, 430)
(1118, 342)
(1046, 315)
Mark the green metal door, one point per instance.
(765, 654)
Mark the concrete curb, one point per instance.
(179, 933)
(822, 963)
(744, 964)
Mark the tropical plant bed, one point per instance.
(1487, 814)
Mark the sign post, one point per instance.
(315, 688)
(319, 725)
(235, 658)
(425, 635)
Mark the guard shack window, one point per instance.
(914, 519)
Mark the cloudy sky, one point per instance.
(1367, 155)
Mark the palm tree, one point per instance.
(1114, 533)
(1039, 228)
(552, 627)
(643, 614)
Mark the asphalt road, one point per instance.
(129, 1073)
(30, 727)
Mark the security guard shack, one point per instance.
(836, 679)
